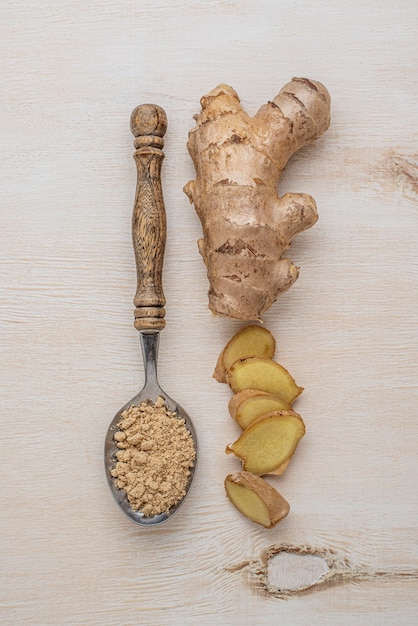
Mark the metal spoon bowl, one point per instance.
(150, 392)
(148, 124)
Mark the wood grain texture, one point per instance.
(71, 74)
(149, 223)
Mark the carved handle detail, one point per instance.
(148, 125)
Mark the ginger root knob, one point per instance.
(238, 160)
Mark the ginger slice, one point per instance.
(264, 375)
(256, 499)
(248, 405)
(269, 443)
(250, 341)
(281, 470)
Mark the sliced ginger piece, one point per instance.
(256, 499)
(265, 375)
(281, 470)
(250, 341)
(248, 405)
(269, 443)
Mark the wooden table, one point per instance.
(347, 330)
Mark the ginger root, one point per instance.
(256, 499)
(269, 443)
(249, 404)
(238, 161)
(250, 341)
(264, 375)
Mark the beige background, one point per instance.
(71, 73)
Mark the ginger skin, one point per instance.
(238, 161)
(264, 375)
(256, 499)
(268, 444)
(249, 404)
(249, 341)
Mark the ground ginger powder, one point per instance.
(156, 453)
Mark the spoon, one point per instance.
(148, 125)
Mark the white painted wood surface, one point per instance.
(71, 72)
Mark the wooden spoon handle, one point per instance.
(148, 125)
